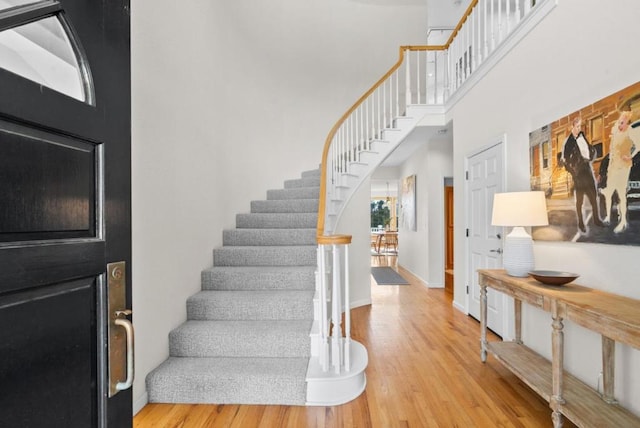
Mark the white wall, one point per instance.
(580, 53)
(355, 222)
(422, 251)
(230, 98)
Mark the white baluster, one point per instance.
(354, 138)
(383, 106)
(486, 30)
(343, 144)
(459, 58)
(362, 131)
(417, 77)
(435, 56)
(478, 47)
(471, 48)
(373, 116)
(388, 109)
(393, 97)
(467, 50)
(500, 26)
(367, 139)
(397, 97)
(508, 17)
(347, 152)
(345, 147)
(324, 328)
(347, 312)
(335, 148)
(527, 7)
(517, 12)
(336, 312)
(407, 69)
(358, 118)
(447, 75)
(335, 145)
(493, 27)
(452, 53)
(344, 141)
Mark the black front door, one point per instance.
(65, 212)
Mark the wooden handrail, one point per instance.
(332, 133)
(327, 144)
(461, 23)
(322, 204)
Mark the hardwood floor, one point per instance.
(424, 371)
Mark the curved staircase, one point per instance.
(267, 326)
(247, 336)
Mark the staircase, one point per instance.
(266, 327)
(247, 335)
(347, 175)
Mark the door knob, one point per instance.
(121, 346)
(499, 251)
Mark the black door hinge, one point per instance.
(467, 289)
(467, 232)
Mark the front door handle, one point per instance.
(128, 328)
(121, 367)
(499, 251)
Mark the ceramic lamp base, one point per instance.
(517, 258)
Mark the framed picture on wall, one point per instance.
(590, 172)
(408, 203)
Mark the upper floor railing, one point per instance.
(425, 76)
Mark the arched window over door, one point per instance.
(38, 43)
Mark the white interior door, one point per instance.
(484, 244)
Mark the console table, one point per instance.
(615, 318)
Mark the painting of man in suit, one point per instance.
(588, 164)
(577, 155)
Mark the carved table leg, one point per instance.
(556, 417)
(518, 320)
(483, 322)
(557, 364)
(608, 370)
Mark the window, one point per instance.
(43, 50)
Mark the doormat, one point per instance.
(387, 276)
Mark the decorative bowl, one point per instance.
(553, 277)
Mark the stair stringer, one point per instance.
(341, 188)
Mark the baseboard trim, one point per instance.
(460, 307)
(358, 303)
(420, 280)
(142, 401)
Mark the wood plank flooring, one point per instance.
(424, 371)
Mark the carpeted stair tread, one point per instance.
(260, 237)
(293, 255)
(311, 173)
(295, 193)
(276, 220)
(251, 305)
(247, 337)
(229, 381)
(285, 206)
(289, 338)
(302, 182)
(259, 278)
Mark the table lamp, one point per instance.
(519, 209)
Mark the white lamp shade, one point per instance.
(519, 209)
